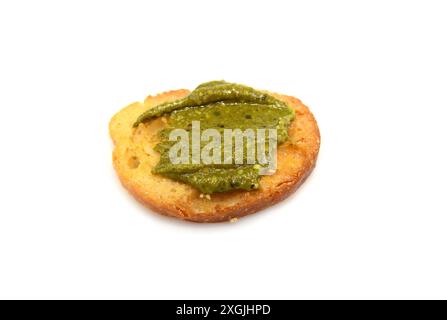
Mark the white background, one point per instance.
(371, 221)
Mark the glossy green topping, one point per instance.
(209, 180)
(218, 105)
(211, 92)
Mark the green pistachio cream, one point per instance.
(218, 105)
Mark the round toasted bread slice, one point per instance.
(134, 158)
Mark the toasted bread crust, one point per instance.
(133, 159)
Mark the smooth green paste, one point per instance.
(218, 105)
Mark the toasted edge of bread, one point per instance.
(134, 157)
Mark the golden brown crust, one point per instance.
(133, 159)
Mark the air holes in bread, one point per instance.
(134, 162)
